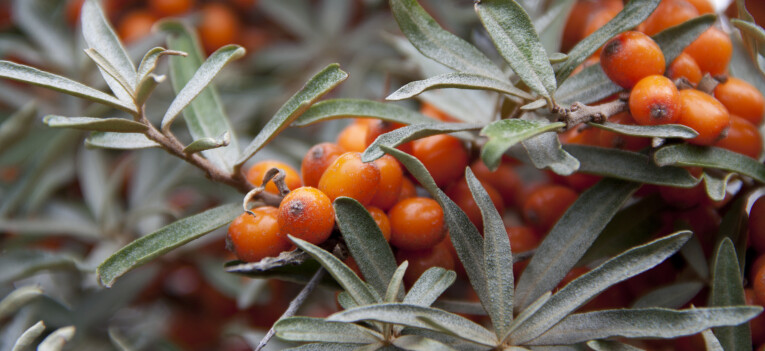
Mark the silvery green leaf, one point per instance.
(395, 291)
(410, 315)
(402, 135)
(207, 143)
(498, 258)
(419, 343)
(119, 141)
(527, 313)
(429, 286)
(164, 240)
(353, 108)
(56, 340)
(118, 125)
(734, 226)
(570, 238)
(346, 301)
(458, 306)
(675, 295)
(460, 81)
(673, 40)
(146, 86)
(360, 291)
(294, 15)
(716, 187)
(693, 253)
(582, 289)
(19, 264)
(607, 345)
(742, 66)
(505, 133)
(318, 330)
(29, 336)
(545, 151)
(728, 290)
(149, 62)
(633, 13)
(660, 131)
(751, 31)
(17, 125)
(326, 346)
(643, 323)
(710, 157)
(588, 86)
(550, 24)
(17, 299)
(315, 88)
(111, 72)
(48, 80)
(438, 44)
(711, 342)
(366, 243)
(37, 22)
(513, 34)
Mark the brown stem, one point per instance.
(708, 83)
(581, 113)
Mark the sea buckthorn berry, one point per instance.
(598, 19)
(136, 25)
(703, 6)
(741, 99)
(353, 138)
(422, 260)
(435, 113)
(378, 127)
(622, 141)
(317, 160)
(522, 238)
(742, 137)
(504, 179)
(306, 213)
(758, 263)
(759, 284)
(416, 224)
(655, 100)
(258, 170)
(460, 193)
(407, 189)
(253, 237)
(579, 17)
(631, 56)
(669, 13)
(712, 51)
(391, 178)
(757, 225)
(218, 26)
(704, 114)
(684, 66)
(348, 176)
(165, 8)
(582, 135)
(546, 204)
(382, 221)
(443, 155)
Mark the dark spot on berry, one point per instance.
(296, 208)
(612, 48)
(317, 153)
(658, 111)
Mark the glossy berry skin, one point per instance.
(254, 237)
(504, 179)
(164, 8)
(416, 224)
(422, 260)
(136, 25)
(382, 221)
(391, 178)
(318, 158)
(684, 66)
(703, 6)
(460, 193)
(757, 225)
(353, 138)
(712, 51)
(655, 100)
(522, 238)
(257, 171)
(444, 156)
(742, 137)
(307, 213)
(218, 26)
(705, 115)
(348, 176)
(379, 127)
(433, 112)
(546, 204)
(579, 18)
(669, 13)
(741, 99)
(407, 190)
(631, 56)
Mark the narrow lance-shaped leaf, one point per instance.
(34, 76)
(354, 108)
(146, 87)
(513, 34)
(419, 343)
(545, 151)
(710, 157)
(728, 290)
(710, 341)
(579, 291)
(119, 125)
(316, 87)
(366, 243)
(438, 44)
(430, 286)
(352, 284)
(163, 240)
(660, 131)
(634, 12)
(608, 345)
(395, 290)
(16, 126)
(498, 258)
(458, 80)
(119, 141)
(753, 32)
(319, 330)
(109, 71)
(715, 187)
(734, 226)
(150, 59)
(19, 264)
(412, 132)
(643, 323)
(207, 144)
(29, 336)
(588, 86)
(200, 80)
(18, 298)
(570, 238)
(673, 40)
(670, 296)
(505, 133)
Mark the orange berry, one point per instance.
(354, 137)
(306, 213)
(460, 193)
(136, 25)
(741, 99)
(422, 260)
(621, 141)
(254, 237)
(712, 51)
(669, 13)
(704, 114)
(582, 135)
(258, 170)
(504, 179)
(546, 204)
(317, 160)
(686, 67)
(348, 176)
(579, 17)
(416, 224)
(598, 19)
(631, 56)
(443, 155)
(218, 26)
(522, 238)
(378, 127)
(757, 225)
(407, 189)
(391, 178)
(382, 221)
(433, 112)
(703, 6)
(164, 8)
(759, 284)
(742, 137)
(655, 100)
(758, 263)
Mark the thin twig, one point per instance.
(294, 305)
(580, 113)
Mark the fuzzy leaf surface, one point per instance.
(119, 125)
(588, 86)
(673, 40)
(751, 31)
(17, 299)
(318, 330)
(57, 340)
(505, 133)
(457, 80)
(402, 135)
(734, 226)
(430, 286)
(207, 144)
(710, 157)
(728, 290)
(395, 290)
(608, 345)
(354, 108)
(545, 151)
(419, 343)
(119, 141)
(25, 341)
(661, 131)
(671, 296)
